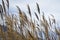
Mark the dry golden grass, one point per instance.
(24, 23)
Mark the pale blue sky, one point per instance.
(48, 6)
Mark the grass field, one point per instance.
(20, 27)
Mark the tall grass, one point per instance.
(28, 29)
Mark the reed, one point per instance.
(38, 8)
(36, 16)
(28, 29)
(29, 10)
(4, 8)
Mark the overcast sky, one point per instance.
(48, 6)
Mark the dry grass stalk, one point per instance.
(46, 25)
(53, 19)
(1, 11)
(36, 16)
(19, 10)
(50, 22)
(22, 14)
(43, 17)
(25, 16)
(23, 20)
(38, 7)
(29, 10)
(30, 35)
(4, 8)
(7, 3)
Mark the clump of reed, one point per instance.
(28, 29)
